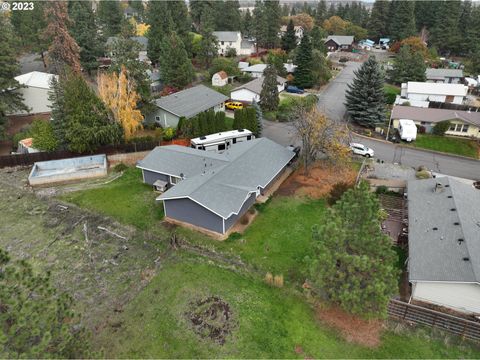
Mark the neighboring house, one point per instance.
(424, 91)
(211, 190)
(255, 71)
(449, 76)
(443, 242)
(299, 31)
(233, 40)
(186, 103)
(251, 91)
(130, 12)
(25, 147)
(339, 42)
(289, 67)
(220, 79)
(243, 65)
(35, 93)
(464, 123)
(155, 81)
(141, 40)
(471, 83)
(384, 43)
(366, 44)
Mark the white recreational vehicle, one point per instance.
(407, 130)
(221, 141)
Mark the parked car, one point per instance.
(360, 149)
(294, 90)
(233, 105)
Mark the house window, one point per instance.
(449, 98)
(174, 180)
(221, 147)
(222, 42)
(249, 137)
(465, 128)
(422, 122)
(157, 118)
(452, 127)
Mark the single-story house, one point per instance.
(35, 91)
(464, 123)
(339, 42)
(233, 40)
(448, 76)
(255, 71)
(299, 31)
(141, 40)
(443, 241)
(220, 79)
(243, 65)
(212, 190)
(156, 84)
(251, 91)
(186, 103)
(427, 91)
(366, 44)
(472, 83)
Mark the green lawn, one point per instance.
(126, 199)
(464, 147)
(266, 322)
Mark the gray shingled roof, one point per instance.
(443, 73)
(226, 35)
(256, 84)
(142, 40)
(341, 39)
(437, 255)
(432, 115)
(190, 102)
(225, 185)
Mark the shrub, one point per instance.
(423, 174)
(269, 278)
(231, 52)
(390, 97)
(382, 189)
(337, 191)
(158, 133)
(244, 219)
(234, 236)
(120, 167)
(278, 281)
(141, 139)
(343, 59)
(441, 127)
(421, 129)
(168, 133)
(251, 210)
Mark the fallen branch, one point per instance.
(111, 232)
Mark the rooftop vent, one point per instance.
(466, 259)
(447, 185)
(460, 241)
(203, 138)
(438, 187)
(453, 209)
(456, 223)
(450, 196)
(435, 228)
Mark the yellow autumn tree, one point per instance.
(119, 95)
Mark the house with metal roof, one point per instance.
(213, 190)
(186, 103)
(428, 91)
(250, 91)
(448, 76)
(463, 123)
(444, 243)
(339, 42)
(36, 86)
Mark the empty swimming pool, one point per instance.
(57, 171)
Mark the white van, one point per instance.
(407, 130)
(221, 141)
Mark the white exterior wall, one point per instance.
(254, 74)
(244, 95)
(432, 97)
(36, 99)
(223, 46)
(218, 81)
(463, 297)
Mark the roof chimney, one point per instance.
(438, 188)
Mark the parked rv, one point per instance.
(221, 141)
(407, 130)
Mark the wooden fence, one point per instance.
(29, 159)
(419, 315)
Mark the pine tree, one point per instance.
(110, 17)
(402, 19)
(354, 263)
(426, 13)
(377, 24)
(365, 100)
(303, 72)
(208, 46)
(445, 35)
(179, 13)
(36, 320)
(29, 27)
(228, 15)
(64, 50)
(473, 32)
(267, 23)
(320, 69)
(269, 95)
(161, 24)
(247, 24)
(220, 121)
(137, 5)
(317, 36)
(176, 67)
(289, 39)
(464, 23)
(408, 66)
(331, 10)
(84, 31)
(10, 100)
(203, 12)
(258, 118)
(321, 13)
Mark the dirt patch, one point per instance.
(322, 176)
(352, 328)
(211, 318)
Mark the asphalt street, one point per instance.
(331, 102)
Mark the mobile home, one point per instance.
(221, 141)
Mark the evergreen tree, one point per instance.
(228, 17)
(408, 66)
(247, 24)
(267, 23)
(220, 122)
(289, 39)
(321, 13)
(320, 69)
(331, 10)
(36, 320)
(179, 13)
(402, 19)
(84, 31)
(258, 118)
(260, 23)
(10, 99)
(425, 14)
(29, 27)
(303, 72)
(64, 50)
(365, 100)
(464, 23)
(176, 67)
(445, 35)
(239, 120)
(473, 33)
(208, 46)
(354, 263)
(317, 36)
(203, 12)
(377, 24)
(137, 5)
(110, 17)
(161, 24)
(269, 95)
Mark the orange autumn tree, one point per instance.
(119, 95)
